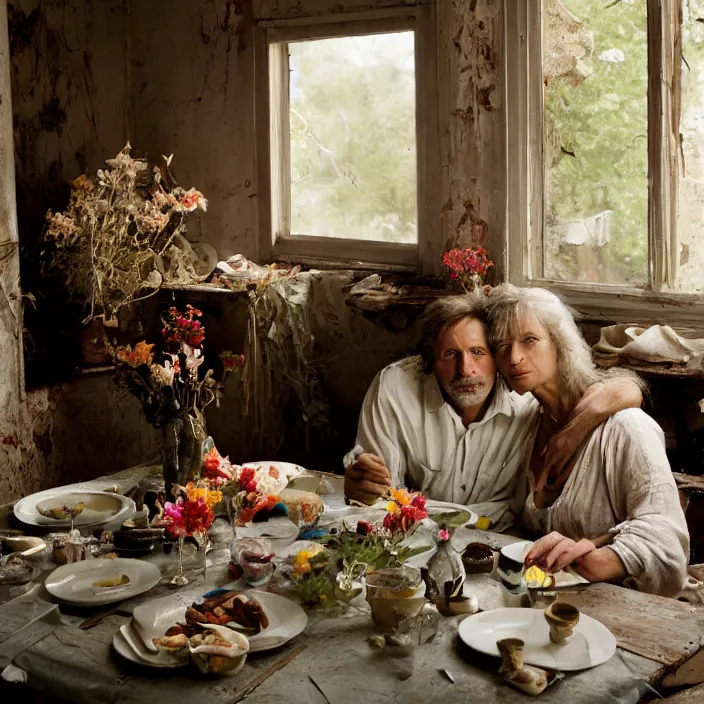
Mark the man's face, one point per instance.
(464, 366)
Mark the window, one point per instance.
(347, 153)
(606, 142)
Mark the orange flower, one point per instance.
(141, 354)
(400, 496)
(209, 497)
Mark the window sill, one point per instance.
(608, 305)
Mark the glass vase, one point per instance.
(182, 450)
(180, 579)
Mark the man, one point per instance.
(443, 423)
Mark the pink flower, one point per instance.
(444, 535)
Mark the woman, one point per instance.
(613, 513)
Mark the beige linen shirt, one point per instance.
(406, 421)
(622, 484)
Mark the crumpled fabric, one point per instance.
(13, 673)
(657, 343)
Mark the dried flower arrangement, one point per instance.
(468, 266)
(110, 243)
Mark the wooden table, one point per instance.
(330, 662)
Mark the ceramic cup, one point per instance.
(396, 598)
(562, 618)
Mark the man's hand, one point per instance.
(602, 565)
(554, 552)
(367, 479)
(599, 402)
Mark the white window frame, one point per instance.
(273, 141)
(656, 302)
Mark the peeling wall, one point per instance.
(70, 103)
(10, 311)
(471, 88)
(193, 91)
(69, 71)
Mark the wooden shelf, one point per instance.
(201, 288)
(666, 369)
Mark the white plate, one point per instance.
(517, 553)
(128, 642)
(434, 508)
(73, 583)
(286, 618)
(124, 649)
(591, 644)
(287, 471)
(102, 508)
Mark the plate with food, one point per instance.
(511, 563)
(267, 620)
(98, 582)
(64, 508)
(590, 642)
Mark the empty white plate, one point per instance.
(286, 618)
(74, 583)
(591, 644)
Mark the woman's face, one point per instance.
(527, 360)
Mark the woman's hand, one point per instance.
(554, 552)
(602, 565)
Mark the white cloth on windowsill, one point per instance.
(657, 343)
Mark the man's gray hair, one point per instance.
(507, 304)
(441, 313)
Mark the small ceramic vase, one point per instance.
(562, 618)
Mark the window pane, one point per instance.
(595, 80)
(353, 137)
(690, 216)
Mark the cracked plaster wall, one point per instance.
(68, 70)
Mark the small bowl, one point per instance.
(213, 660)
(478, 558)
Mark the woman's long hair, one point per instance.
(507, 304)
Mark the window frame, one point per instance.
(273, 141)
(656, 302)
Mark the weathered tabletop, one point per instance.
(330, 662)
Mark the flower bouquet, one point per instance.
(468, 266)
(174, 389)
(349, 555)
(191, 515)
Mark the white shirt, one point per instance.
(622, 483)
(406, 421)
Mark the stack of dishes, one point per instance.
(135, 641)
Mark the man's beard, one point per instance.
(466, 399)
